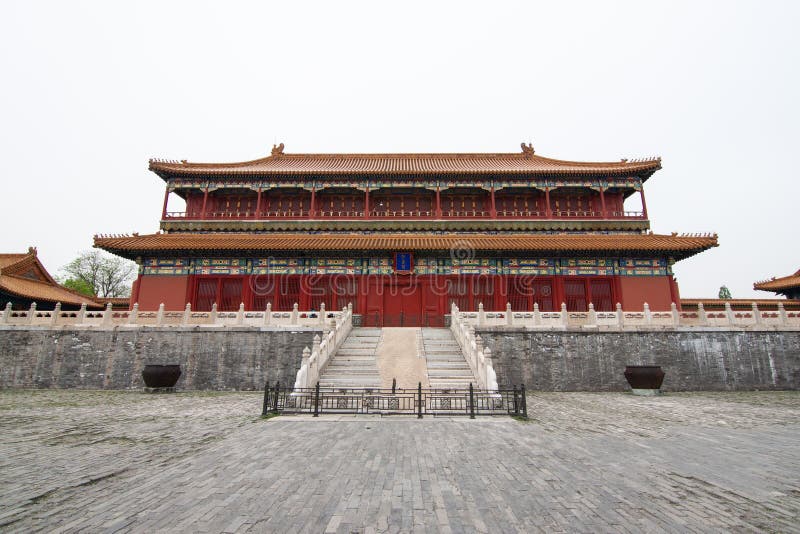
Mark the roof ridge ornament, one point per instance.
(527, 150)
(277, 150)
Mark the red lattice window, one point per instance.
(483, 291)
(230, 294)
(458, 292)
(601, 295)
(206, 294)
(288, 292)
(575, 294)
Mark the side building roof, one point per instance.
(24, 276)
(677, 246)
(779, 284)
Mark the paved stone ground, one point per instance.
(610, 462)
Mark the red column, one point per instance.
(673, 292)
(312, 210)
(205, 202)
(366, 207)
(438, 204)
(258, 204)
(547, 210)
(617, 296)
(135, 297)
(644, 204)
(166, 199)
(603, 203)
(558, 291)
(493, 211)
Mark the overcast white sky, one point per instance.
(91, 90)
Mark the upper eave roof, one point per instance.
(525, 162)
(779, 284)
(679, 246)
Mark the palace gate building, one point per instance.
(401, 236)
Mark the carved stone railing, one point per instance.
(478, 356)
(316, 359)
(619, 319)
(110, 318)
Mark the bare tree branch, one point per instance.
(109, 276)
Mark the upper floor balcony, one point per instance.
(406, 204)
(403, 214)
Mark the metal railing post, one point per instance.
(265, 408)
(316, 400)
(471, 402)
(394, 385)
(419, 401)
(277, 393)
(524, 402)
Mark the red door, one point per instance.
(402, 303)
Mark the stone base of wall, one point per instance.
(692, 360)
(221, 359)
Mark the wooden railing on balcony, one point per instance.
(467, 214)
(406, 214)
(415, 214)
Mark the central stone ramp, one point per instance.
(447, 368)
(354, 365)
(400, 358)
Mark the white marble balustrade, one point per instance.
(187, 317)
(619, 319)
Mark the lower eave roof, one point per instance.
(678, 246)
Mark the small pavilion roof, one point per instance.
(525, 162)
(24, 275)
(779, 284)
(680, 246)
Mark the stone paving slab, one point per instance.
(129, 462)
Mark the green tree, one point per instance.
(81, 286)
(725, 293)
(102, 274)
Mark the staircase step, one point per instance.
(450, 373)
(354, 365)
(447, 368)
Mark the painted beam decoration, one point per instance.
(362, 185)
(406, 263)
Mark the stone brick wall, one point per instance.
(224, 359)
(692, 360)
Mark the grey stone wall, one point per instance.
(693, 360)
(219, 359)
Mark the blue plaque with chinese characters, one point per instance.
(403, 262)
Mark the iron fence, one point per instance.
(469, 402)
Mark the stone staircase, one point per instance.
(447, 368)
(354, 365)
